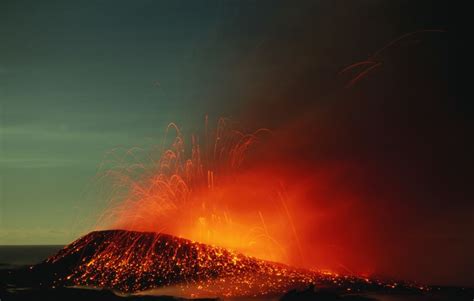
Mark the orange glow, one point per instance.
(255, 194)
(233, 205)
(209, 196)
(238, 191)
(154, 263)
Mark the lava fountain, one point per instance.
(230, 228)
(208, 192)
(226, 224)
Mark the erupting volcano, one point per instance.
(219, 205)
(235, 150)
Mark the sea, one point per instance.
(14, 256)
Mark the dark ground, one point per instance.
(20, 284)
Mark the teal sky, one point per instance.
(78, 79)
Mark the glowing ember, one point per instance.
(130, 262)
(134, 261)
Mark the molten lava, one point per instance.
(137, 261)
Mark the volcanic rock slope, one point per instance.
(128, 262)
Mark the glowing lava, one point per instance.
(208, 192)
(137, 261)
(153, 263)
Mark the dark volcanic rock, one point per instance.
(72, 294)
(129, 261)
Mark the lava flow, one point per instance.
(136, 261)
(130, 262)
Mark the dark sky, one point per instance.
(78, 79)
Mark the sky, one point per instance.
(80, 79)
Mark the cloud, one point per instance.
(34, 236)
(61, 132)
(30, 162)
(29, 146)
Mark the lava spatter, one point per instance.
(132, 262)
(129, 261)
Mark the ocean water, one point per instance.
(11, 256)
